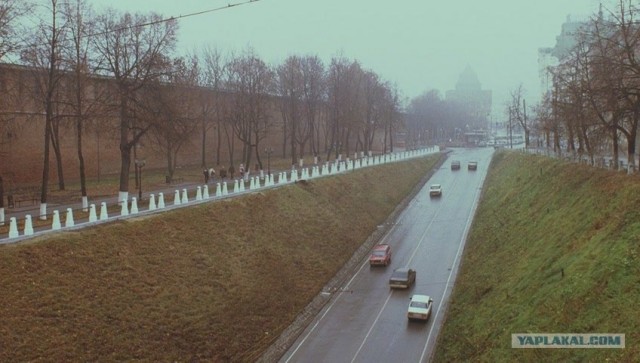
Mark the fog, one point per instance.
(417, 44)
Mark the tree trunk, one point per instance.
(125, 150)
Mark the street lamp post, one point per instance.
(268, 151)
(139, 164)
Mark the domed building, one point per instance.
(469, 94)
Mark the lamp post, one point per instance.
(268, 151)
(139, 164)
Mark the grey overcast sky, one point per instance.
(417, 44)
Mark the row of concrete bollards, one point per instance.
(202, 192)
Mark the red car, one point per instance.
(381, 255)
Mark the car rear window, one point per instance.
(418, 304)
(379, 253)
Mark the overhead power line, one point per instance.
(228, 6)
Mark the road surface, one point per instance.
(366, 321)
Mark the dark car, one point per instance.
(455, 165)
(402, 278)
(473, 165)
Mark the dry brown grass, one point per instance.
(215, 282)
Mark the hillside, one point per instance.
(216, 282)
(554, 248)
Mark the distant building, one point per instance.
(551, 56)
(472, 97)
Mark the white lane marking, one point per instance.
(453, 267)
(422, 239)
(384, 238)
(365, 263)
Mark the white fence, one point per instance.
(200, 194)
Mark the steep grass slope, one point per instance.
(216, 282)
(554, 248)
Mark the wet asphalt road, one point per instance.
(367, 321)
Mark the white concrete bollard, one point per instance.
(252, 184)
(28, 225)
(272, 179)
(56, 221)
(103, 211)
(218, 190)
(242, 187)
(176, 198)
(225, 190)
(185, 197)
(92, 213)
(85, 204)
(161, 200)
(199, 193)
(124, 208)
(69, 222)
(13, 228)
(134, 205)
(205, 192)
(152, 202)
(236, 186)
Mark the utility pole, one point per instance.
(510, 128)
(526, 129)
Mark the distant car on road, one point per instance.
(455, 165)
(402, 278)
(420, 307)
(473, 165)
(381, 255)
(435, 190)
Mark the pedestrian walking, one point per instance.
(212, 174)
(205, 172)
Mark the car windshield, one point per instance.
(378, 253)
(399, 275)
(435, 187)
(418, 304)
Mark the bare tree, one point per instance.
(134, 49)
(250, 82)
(212, 74)
(10, 13)
(520, 114)
(174, 109)
(344, 103)
(314, 96)
(291, 90)
(44, 55)
(78, 61)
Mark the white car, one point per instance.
(420, 307)
(435, 190)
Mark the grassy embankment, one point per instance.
(214, 282)
(554, 249)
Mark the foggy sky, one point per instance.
(417, 44)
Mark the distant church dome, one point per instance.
(468, 80)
